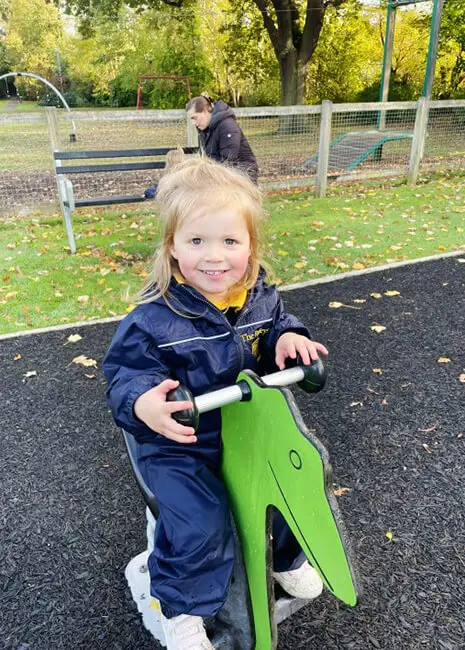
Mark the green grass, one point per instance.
(355, 227)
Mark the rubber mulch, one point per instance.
(72, 517)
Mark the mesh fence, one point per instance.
(27, 180)
(445, 138)
(365, 139)
(370, 140)
(282, 143)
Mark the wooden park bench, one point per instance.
(65, 172)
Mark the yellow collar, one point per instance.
(236, 300)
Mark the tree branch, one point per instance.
(269, 24)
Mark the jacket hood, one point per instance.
(221, 111)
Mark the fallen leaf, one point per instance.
(392, 293)
(428, 430)
(85, 361)
(462, 379)
(376, 295)
(83, 299)
(377, 371)
(426, 448)
(300, 265)
(74, 338)
(378, 328)
(17, 357)
(356, 404)
(444, 360)
(340, 491)
(389, 535)
(30, 373)
(359, 300)
(90, 376)
(336, 305)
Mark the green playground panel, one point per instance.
(270, 459)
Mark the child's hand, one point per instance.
(291, 344)
(153, 409)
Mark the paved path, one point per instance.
(72, 517)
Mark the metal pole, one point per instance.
(387, 62)
(231, 394)
(433, 48)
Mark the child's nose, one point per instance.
(214, 253)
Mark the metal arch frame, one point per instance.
(50, 85)
(392, 5)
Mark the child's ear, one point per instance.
(173, 253)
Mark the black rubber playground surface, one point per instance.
(72, 517)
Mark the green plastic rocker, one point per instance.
(270, 460)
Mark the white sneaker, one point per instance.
(185, 632)
(303, 582)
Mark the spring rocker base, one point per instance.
(270, 460)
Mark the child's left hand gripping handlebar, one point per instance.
(310, 378)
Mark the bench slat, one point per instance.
(109, 200)
(118, 153)
(82, 169)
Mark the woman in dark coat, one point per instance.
(220, 136)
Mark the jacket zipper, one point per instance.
(210, 305)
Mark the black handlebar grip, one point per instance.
(314, 376)
(186, 417)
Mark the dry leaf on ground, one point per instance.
(85, 361)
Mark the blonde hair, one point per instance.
(173, 158)
(195, 181)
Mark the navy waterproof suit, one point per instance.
(192, 561)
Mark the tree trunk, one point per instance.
(293, 77)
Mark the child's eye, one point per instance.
(229, 241)
(196, 241)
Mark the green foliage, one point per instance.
(239, 53)
(348, 55)
(33, 33)
(72, 98)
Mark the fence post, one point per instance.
(53, 127)
(418, 142)
(192, 133)
(323, 148)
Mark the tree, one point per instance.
(33, 32)
(452, 46)
(348, 56)
(294, 29)
(238, 52)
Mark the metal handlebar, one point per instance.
(310, 378)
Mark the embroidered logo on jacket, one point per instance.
(254, 339)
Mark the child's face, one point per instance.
(212, 249)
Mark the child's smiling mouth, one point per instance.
(213, 274)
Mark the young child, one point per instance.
(205, 314)
(173, 157)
